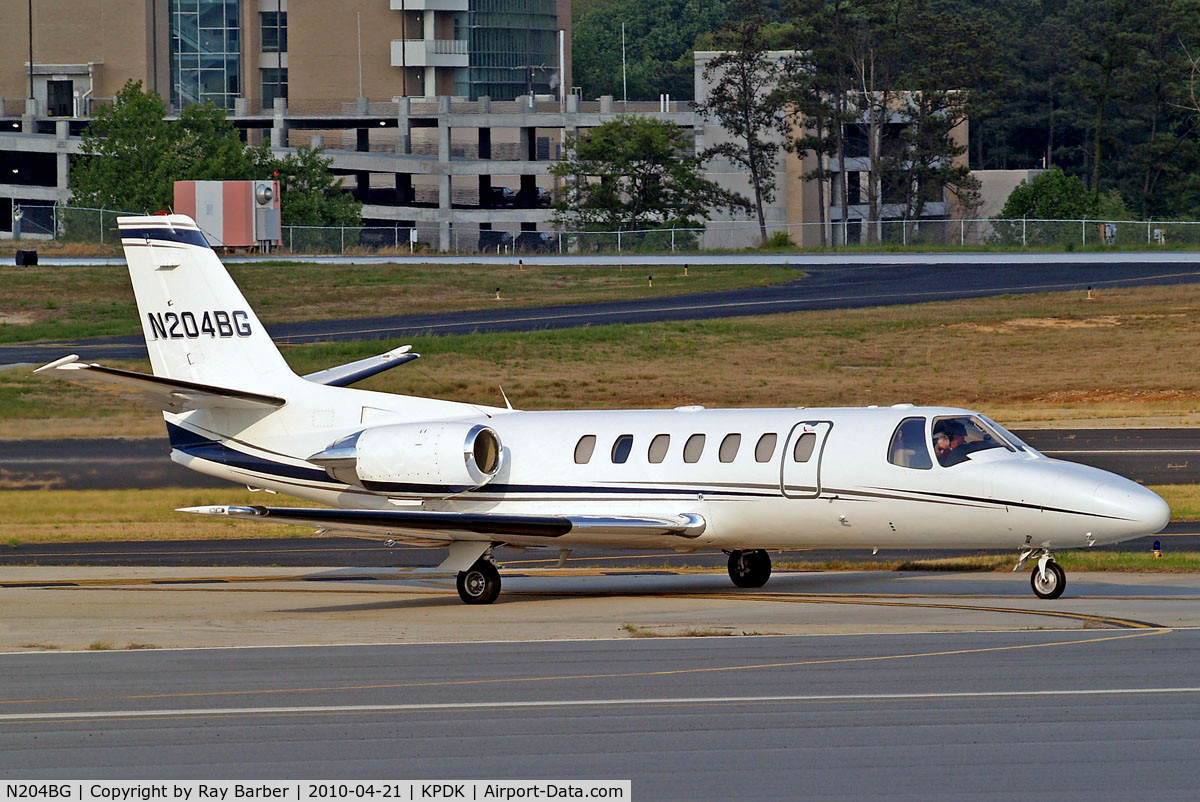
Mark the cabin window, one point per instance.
(803, 450)
(956, 438)
(584, 449)
(658, 448)
(621, 448)
(908, 448)
(729, 447)
(693, 448)
(766, 447)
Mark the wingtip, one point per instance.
(226, 510)
(58, 363)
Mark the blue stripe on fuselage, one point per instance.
(197, 445)
(186, 236)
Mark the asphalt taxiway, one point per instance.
(1091, 696)
(841, 285)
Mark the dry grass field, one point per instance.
(1128, 357)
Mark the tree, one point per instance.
(1051, 195)
(947, 80)
(310, 195)
(814, 87)
(659, 38)
(742, 98)
(635, 172)
(133, 157)
(127, 156)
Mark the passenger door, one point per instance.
(800, 468)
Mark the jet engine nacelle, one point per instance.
(445, 455)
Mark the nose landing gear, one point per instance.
(1048, 580)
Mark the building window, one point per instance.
(274, 84)
(512, 48)
(274, 31)
(205, 52)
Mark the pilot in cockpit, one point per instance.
(950, 442)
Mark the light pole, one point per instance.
(31, 49)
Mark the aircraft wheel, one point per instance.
(479, 584)
(1054, 583)
(749, 569)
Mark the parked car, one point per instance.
(491, 240)
(544, 198)
(501, 198)
(535, 241)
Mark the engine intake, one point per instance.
(416, 457)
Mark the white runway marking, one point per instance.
(561, 703)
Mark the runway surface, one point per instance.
(1097, 714)
(839, 286)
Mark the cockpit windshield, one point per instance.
(956, 438)
(1009, 437)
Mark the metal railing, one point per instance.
(99, 226)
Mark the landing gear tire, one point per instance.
(479, 584)
(1052, 585)
(749, 569)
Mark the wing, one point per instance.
(345, 375)
(173, 395)
(446, 527)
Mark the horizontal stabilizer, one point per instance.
(493, 526)
(345, 375)
(173, 395)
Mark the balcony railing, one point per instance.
(430, 5)
(429, 53)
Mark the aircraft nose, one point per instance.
(1144, 509)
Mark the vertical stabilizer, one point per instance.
(197, 323)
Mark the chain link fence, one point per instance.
(99, 226)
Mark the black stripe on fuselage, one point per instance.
(1021, 504)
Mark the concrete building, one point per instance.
(82, 49)
(315, 53)
(464, 173)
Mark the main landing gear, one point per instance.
(479, 584)
(1049, 580)
(749, 569)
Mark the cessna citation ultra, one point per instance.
(470, 478)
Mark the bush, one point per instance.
(780, 240)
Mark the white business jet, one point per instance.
(469, 478)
